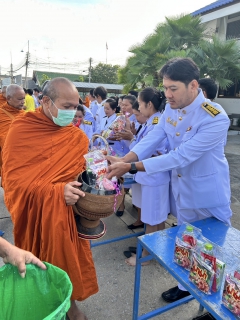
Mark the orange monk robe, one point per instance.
(7, 115)
(3, 100)
(39, 158)
(86, 102)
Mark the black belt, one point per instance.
(110, 143)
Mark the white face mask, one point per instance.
(64, 117)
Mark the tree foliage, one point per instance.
(182, 36)
(44, 78)
(104, 73)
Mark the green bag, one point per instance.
(42, 294)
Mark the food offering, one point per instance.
(201, 274)
(185, 243)
(231, 295)
(117, 125)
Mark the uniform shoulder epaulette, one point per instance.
(118, 114)
(87, 122)
(155, 120)
(210, 109)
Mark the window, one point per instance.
(231, 92)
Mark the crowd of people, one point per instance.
(172, 146)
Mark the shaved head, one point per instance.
(53, 88)
(15, 96)
(12, 89)
(4, 88)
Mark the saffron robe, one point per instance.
(3, 100)
(7, 115)
(39, 158)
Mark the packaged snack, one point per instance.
(99, 168)
(185, 243)
(201, 274)
(207, 255)
(231, 295)
(117, 125)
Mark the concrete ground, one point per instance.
(116, 279)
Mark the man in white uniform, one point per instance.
(196, 132)
(100, 93)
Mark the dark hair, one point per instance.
(80, 107)
(115, 98)
(100, 91)
(25, 90)
(36, 89)
(122, 97)
(30, 92)
(133, 92)
(130, 98)
(91, 93)
(40, 96)
(180, 69)
(209, 86)
(151, 94)
(113, 105)
(135, 106)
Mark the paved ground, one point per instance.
(116, 279)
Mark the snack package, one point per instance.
(231, 295)
(201, 274)
(105, 184)
(211, 253)
(117, 125)
(185, 243)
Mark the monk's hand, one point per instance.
(72, 193)
(118, 169)
(20, 258)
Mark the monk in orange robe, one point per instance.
(42, 156)
(3, 96)
(9, 111)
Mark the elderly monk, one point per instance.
(9, 111)
(3, 96)
(42, 156)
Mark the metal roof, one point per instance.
(89, 85)
(215, 5)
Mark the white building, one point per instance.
(222, 18)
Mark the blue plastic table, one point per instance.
(160, 246)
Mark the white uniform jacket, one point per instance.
(196, 137)
(158, 178)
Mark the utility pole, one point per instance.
(89, 70)
(11, 70)
(27, 63)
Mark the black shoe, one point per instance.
(119, 213)
(133, 249)
(127, 254)
(174, 294)
(132, 226)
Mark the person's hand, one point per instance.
(125, 135)
(133, 129)
(128, 124)
(118, 169)
(71, 193)
(19, 258)
(113, 160)
(113, 138)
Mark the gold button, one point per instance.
(184, 111)
(180, 118)
(177, 134)
(179, 176)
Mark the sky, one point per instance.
(72, 31)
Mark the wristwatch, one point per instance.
(133, 169)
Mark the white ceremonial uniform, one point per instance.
(136, 187)
(200, 171)
(100, 114)
(87, 127)
(89, 117)
(155, 188)
(94, 107)
(132, 119)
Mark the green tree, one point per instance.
(104, 73)
(44, 78)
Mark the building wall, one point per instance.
(230, 105)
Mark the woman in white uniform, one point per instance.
(81, 123)
(154, 188)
